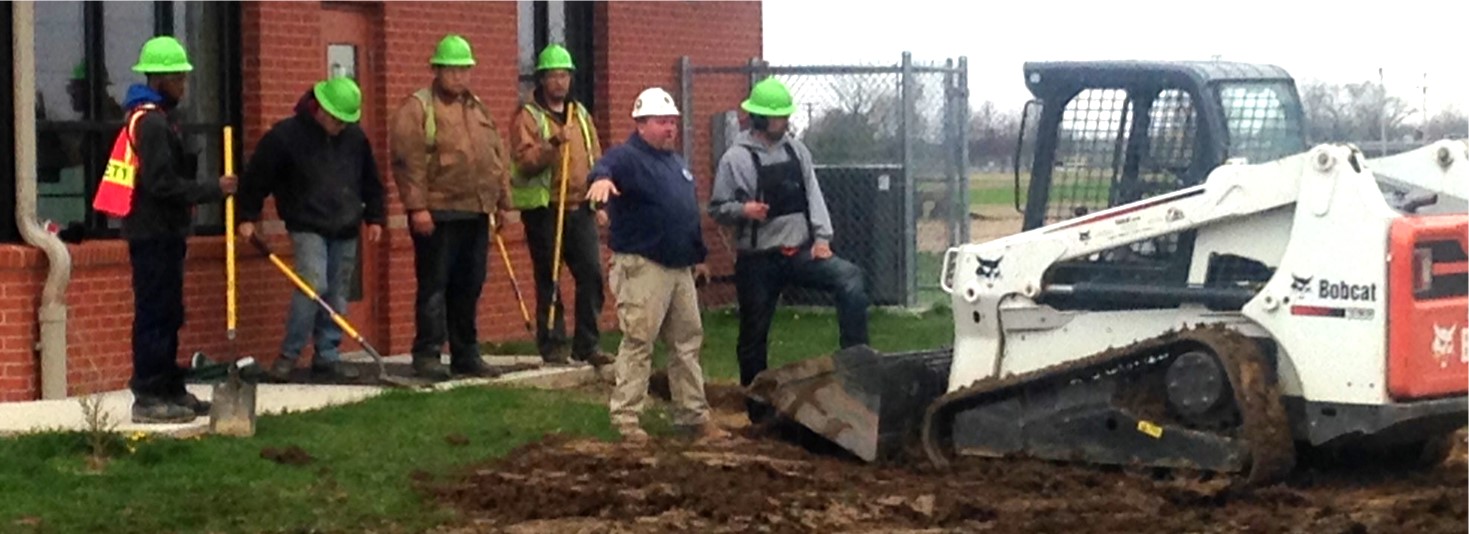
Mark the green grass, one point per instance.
(360, 480)
(992, 189)
(366, 453)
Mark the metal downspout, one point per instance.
(53, 297)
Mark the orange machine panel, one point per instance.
(1428, 312)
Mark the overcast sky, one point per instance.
(1314, 40)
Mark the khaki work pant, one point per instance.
(653, 300)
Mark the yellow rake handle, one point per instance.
(306, 289)
(514, 284)
(229, 234)
(560, 222)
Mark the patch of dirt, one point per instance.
(781, 480)
(762, 484)
(290, 455)
(722, 397)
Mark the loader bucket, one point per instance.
(866, 402)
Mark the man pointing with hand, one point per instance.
(658, 249)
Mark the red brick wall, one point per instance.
(283, 53)
(639, 45)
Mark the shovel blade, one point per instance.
(864, 401)
(233, 409)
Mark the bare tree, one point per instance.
(1353, 112)
(1449, 123)
(992, 134)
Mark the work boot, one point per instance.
(188, 400)
(709, 432)
(430, 367)
(333, 370)
(475, 367)
(151, 410)
(560, 355)
(280, 370)
(597, 358)
(633, 434)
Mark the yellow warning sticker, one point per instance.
(1150, 429)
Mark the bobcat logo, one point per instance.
(1301, 286)
(989, 269)
(1443, 343)
(1084, 235)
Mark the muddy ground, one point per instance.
(765, 482)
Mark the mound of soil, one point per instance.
(764, 485)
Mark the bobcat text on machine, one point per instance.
(1194, 287)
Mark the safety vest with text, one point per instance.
(115, 193)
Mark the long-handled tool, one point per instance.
(514, 284)
(560, 225)
(233, 406)
(382, 370)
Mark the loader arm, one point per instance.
(987, 276)
(984, 278)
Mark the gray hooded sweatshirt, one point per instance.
(735, 181)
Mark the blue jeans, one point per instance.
(327, 266)
(761, 277)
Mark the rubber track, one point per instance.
(1265, 427)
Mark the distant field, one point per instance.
(998, 188)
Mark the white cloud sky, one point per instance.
(1313, 40)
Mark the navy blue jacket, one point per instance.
(323, 184)
(167, 189)
(657, 214)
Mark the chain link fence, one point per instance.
(889, 148)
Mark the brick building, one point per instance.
(252, 61)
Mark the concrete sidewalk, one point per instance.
(52, 415)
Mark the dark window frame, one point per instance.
(578, 27)
(99, 134)
(9, 233)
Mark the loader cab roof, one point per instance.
(1123, 73)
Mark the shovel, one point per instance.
(233, 410)
(514, 284)
(301, 285)
(560, 226)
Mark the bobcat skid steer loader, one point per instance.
(1194, 287)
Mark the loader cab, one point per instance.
(1108, 133)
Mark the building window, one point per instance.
(566, 23)
(84, 57)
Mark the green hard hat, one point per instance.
(769, 98)
(340, 97)
(163, 55)
(555, 57)
(453, 51)
(79, 73)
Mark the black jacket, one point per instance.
(322, 184)
(165, 191)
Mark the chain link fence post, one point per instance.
(910, 230)
(686, 106)
(962, 135)
(889, 148)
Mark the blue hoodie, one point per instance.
(657, 214)
(142, 94)
(165, 187)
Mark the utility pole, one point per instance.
(1382, 115)
(1426, 116)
